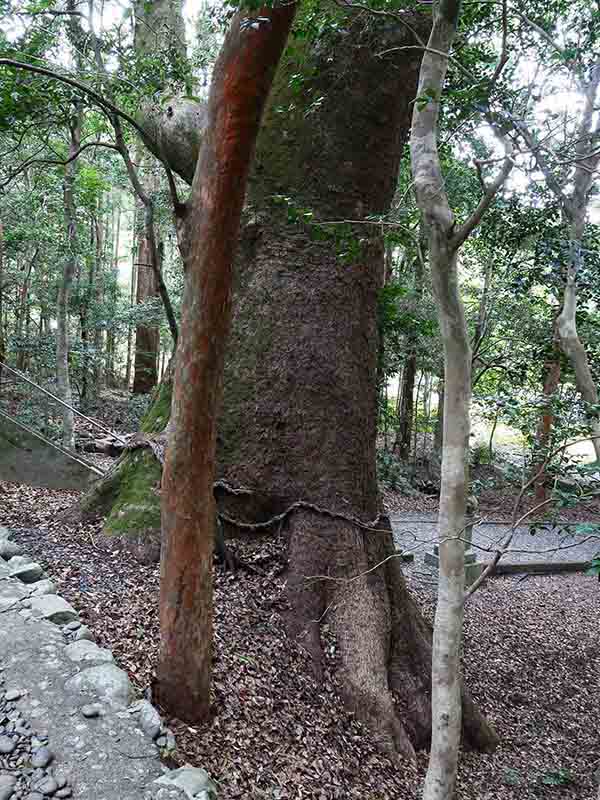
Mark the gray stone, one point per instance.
(7, 784)
(9, 549)
(45, 586)
(46, 786)
(25, 570)
(149, 719)
(73, 626)
(41, 758)
(92, 710)
(60, 779)
(84, 650)
(7, 745)
(34, 796)
(66, 792)
(84, 633)
(107, 681)
(55, 608)
(12, 695)
(167, 742)
(193, 781)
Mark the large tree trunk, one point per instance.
(300, 381)
(301, 377)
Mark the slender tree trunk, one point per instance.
(21, 332)
(69, 270)
(240, 86)
(552, 371)
(403, 441)
(146, 336)
(98, 294)
(574, 210)
(405, 416)
(85, 312)
(158, 24)
(445, 240)
(132, 296)
(447, 637)
(573, 348)
(111, 377)
(438, 434)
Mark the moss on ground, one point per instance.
(157, 416)
(137, 505)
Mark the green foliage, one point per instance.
(559, 777)
(391, 473)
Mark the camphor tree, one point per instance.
(297, 434)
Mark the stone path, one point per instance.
(417, 532)
(70, 725)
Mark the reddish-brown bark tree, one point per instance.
(241, 83)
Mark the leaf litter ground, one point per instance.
(532, 662)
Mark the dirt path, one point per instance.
(567, 541)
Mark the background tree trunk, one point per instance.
(63, 380)
(2, 346)
(573, 348)
(159, 28)
(552, 371)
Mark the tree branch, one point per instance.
(102, 101)
(490, 193)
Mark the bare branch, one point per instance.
(490, 193)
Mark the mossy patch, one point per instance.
(157, 416)
(137, 506)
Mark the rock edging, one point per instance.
(70, 725)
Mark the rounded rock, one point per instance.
(7, 745)
(91, 710)
(47, 785)
(41, 758)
